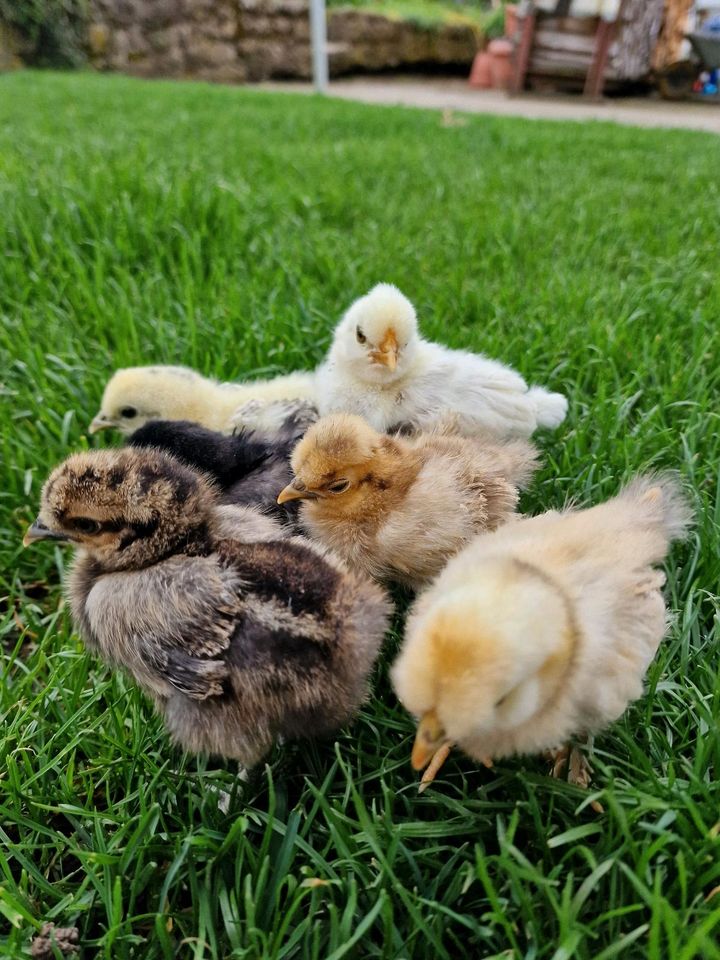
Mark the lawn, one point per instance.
(429, 12)
(228, 229)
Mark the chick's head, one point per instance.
(126, 508)
(376, 340)
(135, 395)
(485, 657)
(333, 462)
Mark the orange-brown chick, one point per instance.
(399, 507)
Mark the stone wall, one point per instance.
(239, 40)
(221, 40)
(12, 48)
(368, 41)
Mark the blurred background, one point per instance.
(652, 48)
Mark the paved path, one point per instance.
(457, 95)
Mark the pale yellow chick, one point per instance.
(543, 630)
(400, 507)
(135, 395)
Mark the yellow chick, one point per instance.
(542, 630)
(135, 395)
(400, 507)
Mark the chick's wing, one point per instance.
(288, 575)
(170, 624)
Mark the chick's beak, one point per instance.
(429, 737)
(38, 531)
(100, 422)
(295, 491)
(387, 352)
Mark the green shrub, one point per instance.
(53, 31)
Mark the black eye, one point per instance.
(340, 486)
(361, 338)
(85, 525)
(128, 412)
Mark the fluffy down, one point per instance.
(238, 634)
(249, 467)
(542, 630)
(135, 395)
(380, 368)
(400, 507)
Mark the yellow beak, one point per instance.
(295, 491)
(387, 352)
(38, 531)
(429, 737)
(100, 422)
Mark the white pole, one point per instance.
(318, 36)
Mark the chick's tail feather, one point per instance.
(550, 408)
(660, 500)
(516, 460)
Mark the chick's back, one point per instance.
(450, 501)
(249, 466)
(602, 558)
(252, 641)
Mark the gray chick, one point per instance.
(249, 467)
(238, 632)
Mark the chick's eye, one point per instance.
(85, 525)
(340, 486)
(128, 413)
(361, 338)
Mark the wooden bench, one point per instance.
(556, 43)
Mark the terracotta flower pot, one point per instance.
(481, 73)
(501, 64)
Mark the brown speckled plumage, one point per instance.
(238, 632)
(248, 467)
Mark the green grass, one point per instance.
(427, 13)
(228, 229)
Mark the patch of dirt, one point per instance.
(66, 939)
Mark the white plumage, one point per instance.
(381, 368)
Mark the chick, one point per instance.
(237, 635)
(542, 630)
(400, 507)
(380, 368)
(248, 467)
(135, 395)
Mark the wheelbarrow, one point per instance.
(677, 81)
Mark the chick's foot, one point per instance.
(433, 768)
(569, 762)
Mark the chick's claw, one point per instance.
(571, 760)
(579, 769)
(433, 768)
(559, 760)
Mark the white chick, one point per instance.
(135, 395)
(381, 368)
(542, 630)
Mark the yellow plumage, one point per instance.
(134, 395)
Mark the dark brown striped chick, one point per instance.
(238, 632)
